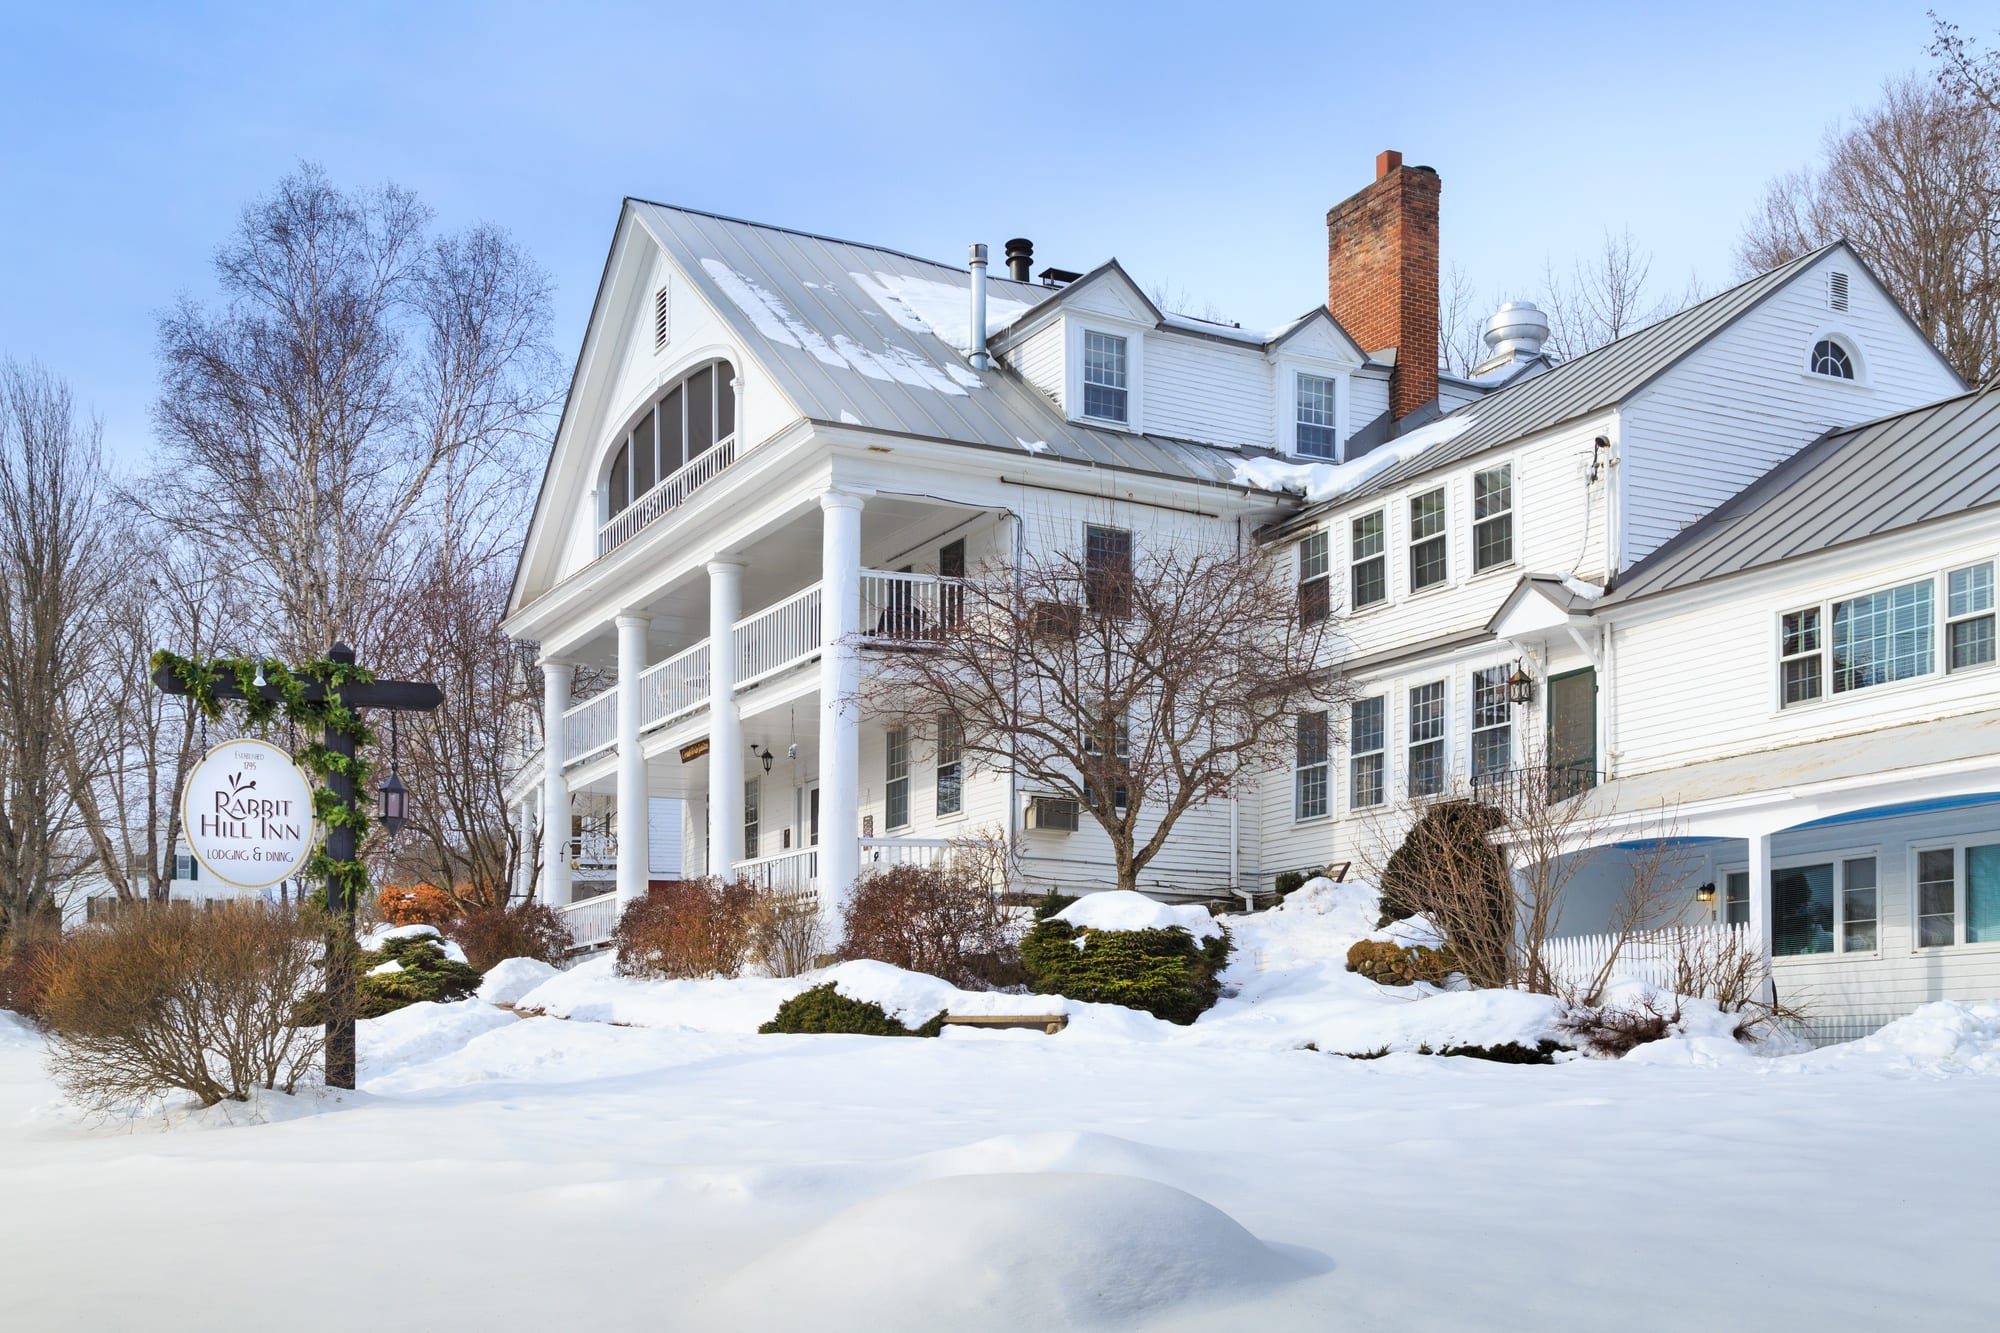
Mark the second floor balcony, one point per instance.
(897, 609)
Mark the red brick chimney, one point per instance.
(1382, 275)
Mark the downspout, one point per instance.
(1013, 773)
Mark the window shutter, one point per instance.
(1836, 290)
(660, 318)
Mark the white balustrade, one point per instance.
(793, 874)
(884, 853)
(590, 726)
(593, 850)
(591, 921)
(673, 689)
(777, 637)
(909, 608)
(672, 492)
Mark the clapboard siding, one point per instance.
(1039, 358)
(1745, 400)
(1202, 390)
(1696, 674)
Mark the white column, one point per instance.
(555, 787)
(634, 855)
(839, 718)
(1760, 897)
(725, 729)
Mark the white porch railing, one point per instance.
(777, 637)
(674, 688)
(909, 608)
(1650, 956)
(593, 850)
(670, 493)
(591, 921)
(590, 726)
(793, 874)
(883, 853)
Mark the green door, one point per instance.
(1572, 733)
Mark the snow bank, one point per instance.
(375, 939)
(17, 1032)
(421, 1032)
(594, 992)
(1942, 1038)
(1002, 1252)
(511, 978)
(1122, 909)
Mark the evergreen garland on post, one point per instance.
(319, 718)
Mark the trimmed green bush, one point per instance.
(1450, 836)
(1289, 882)
(1164, 971)
(825, 1009)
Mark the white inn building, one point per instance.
(1738, 568)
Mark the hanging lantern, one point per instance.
(392, 803)
(1520, 686)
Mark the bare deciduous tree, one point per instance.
(1912, 184)
(360, 377)
(1605, 297)
(1139, 685)
(59, 562)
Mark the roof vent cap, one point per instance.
(1516, 332)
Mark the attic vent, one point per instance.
(1836, 290)
(660, 317)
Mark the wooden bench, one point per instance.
(1049, 1023)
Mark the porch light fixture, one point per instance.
(1520, 686)
(392, 798)
(763, 756)
(1705, 893)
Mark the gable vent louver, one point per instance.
(1836, 290)
(660, 318)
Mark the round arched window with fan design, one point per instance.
(1830, 358)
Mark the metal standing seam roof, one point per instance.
(840, 357)
(1847, 486)
(1592, 382)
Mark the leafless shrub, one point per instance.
(1612, 1030)
(1491, 868)
(165, 998)
(691, 928)
(787, 934)
(1725, 968)
(946, 920)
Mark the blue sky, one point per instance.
(1200, 144)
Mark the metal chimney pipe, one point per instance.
(1020, 258)
(977, 355)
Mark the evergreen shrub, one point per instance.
(825, 1009)
(1164, 971)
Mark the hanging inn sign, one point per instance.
(247, 811)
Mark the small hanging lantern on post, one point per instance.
(392, 798)
(1520, 685)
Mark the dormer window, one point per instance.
(1104, 383)
(1314, 419)
(1830, 358)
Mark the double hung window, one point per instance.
(1429, 562)
(1492, 724)
(1312, 773)
(1366, 745)
(1427, 739)
(1315, 585)
(1314, 421)
(1104, 387)
(1492, 518)
(1369, 561)
(896, 785)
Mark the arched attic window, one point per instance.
(1829, 357)
(687, 419)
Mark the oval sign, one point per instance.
(248, 813)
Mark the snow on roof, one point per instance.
(925, 305)
(1321, 482)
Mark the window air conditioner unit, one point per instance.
(1052, 814)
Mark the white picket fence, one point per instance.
(1650, 956)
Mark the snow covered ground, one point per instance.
(503, 1172)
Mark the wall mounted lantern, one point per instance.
(1520, 686)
